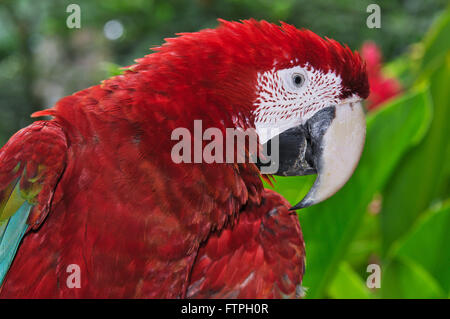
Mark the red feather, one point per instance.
(262, 256)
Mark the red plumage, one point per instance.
(263, 252)
(139, 225)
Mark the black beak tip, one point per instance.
(302, 204)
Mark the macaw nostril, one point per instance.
(309, 154)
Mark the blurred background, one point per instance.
(394, 212)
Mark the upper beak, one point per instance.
(329, 144)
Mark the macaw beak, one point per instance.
(328, 144)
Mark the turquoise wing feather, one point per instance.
(11, 234)
(31, 164)
(14, 212)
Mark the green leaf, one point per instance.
(422, 173)
(293, 188)
(348, 285)
(427, 242)
(329, 227)
(365, 244)
(436, 43)
(404, 278)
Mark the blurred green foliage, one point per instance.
(395, 209)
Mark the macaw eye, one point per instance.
(298, 79)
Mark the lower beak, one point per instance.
(329, 144)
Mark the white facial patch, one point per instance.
(282, 104)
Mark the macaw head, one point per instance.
(289, 85)
(310, 101)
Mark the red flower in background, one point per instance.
(382, 88)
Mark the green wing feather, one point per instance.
(14, 212)
(31, 164)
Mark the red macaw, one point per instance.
(95, 190)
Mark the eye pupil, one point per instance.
(298, 79)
